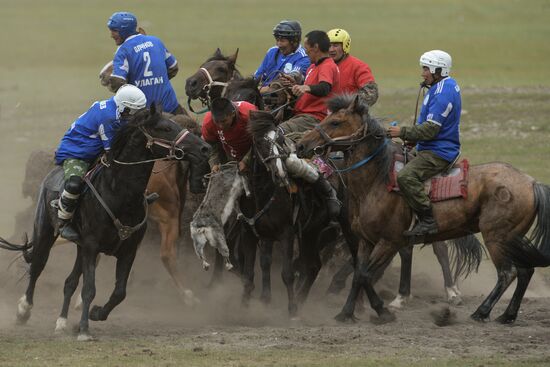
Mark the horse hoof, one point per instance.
(61, 325)
(454, 295)
(455, 301)
(96, 314)
(384, 317)
(399, 302)
(85, 337)
(345, 317)
(189, 298)
(23, 311)
(505, 319)
(479, 317)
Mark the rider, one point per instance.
(143, 61)
(224, 128)
(355, 75)
(87, 137)
(436, 134)
(287, 57)
(322, 81)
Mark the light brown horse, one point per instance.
(502, 204)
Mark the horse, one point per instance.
(502, 204)
(112, 215)
(212, 78)
(271, 213)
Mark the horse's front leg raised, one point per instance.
(125, 260)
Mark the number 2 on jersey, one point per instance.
(147, 59)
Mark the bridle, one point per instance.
(174, 152)
(207, 88)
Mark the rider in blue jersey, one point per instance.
(437, 136)
(143, 61)
(287, 57)
(86, 139)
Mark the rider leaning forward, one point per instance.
(436, 134)
(86, 139)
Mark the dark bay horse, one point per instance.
(270, 214)
(502, 204)
(112, 214)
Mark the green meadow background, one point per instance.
(52, 51)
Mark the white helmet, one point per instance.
(437, 59)
(130, 96)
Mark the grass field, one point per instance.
(53, 51)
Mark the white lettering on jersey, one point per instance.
(447, 110)
(288, 68)
(143, 46)
(102, 105)
(125, 66)
(232, 151)
(149, 81)
(102, 133)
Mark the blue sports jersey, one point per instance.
(275, 61)
(144, 62)
(442, 106)
(91, 133)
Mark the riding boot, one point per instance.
(67, 204)
(325, 189)
(426, 224)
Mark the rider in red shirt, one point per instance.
(225, 129)
(355, 75)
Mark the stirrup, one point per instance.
(68, 232)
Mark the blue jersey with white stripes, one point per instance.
(442, 106)
(144, 62)
(275, 61)
(91, 133)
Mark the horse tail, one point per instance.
(466, 255)
(533, 251)
(25, 248)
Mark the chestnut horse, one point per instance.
(502, 204)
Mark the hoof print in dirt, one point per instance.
(443, 316)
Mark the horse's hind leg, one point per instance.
(442, 254)
(506, 275)
(339, 279)
(43, 239)
(524, 277)
(266, 258)
(404, 292)
(123, 266)
(312, 266)
(68, 290)
(248, 244)
(287, 272)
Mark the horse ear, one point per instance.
(357, 106)
(218, 53)
(233, 58)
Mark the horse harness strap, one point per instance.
(252, 221)
(123, 231)
(365, 160)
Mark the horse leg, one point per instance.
(404, 293)
(78, 304)
(339, 279)
(248, 246)
(123, 266)
(89, 255)
(287, 272)
(68, 290)
(43, 240)
(442, 254)
(524, 277)
(169, 232)
(312, 266)
(506, 275)
(266, 258)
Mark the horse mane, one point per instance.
(186, 122)
(260, 123)
(245, 90)
(246, 83)
(145, 117)
(374, 127)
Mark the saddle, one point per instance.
(450, 184)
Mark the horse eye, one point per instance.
(335, 123)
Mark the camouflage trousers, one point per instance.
(297, 126)
(74, 167)
(411, 178)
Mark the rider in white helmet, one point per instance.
(88, 137)
(355, 75)
(436, 135)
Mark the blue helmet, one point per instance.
(124, 23)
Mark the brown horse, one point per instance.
(502, 204)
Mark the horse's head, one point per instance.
(216, 72)
(245, 90)
(225, 187)
(338, 130)
(161, 136)
(269, 145)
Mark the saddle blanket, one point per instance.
(444, 186)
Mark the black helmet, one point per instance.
(288, 29)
